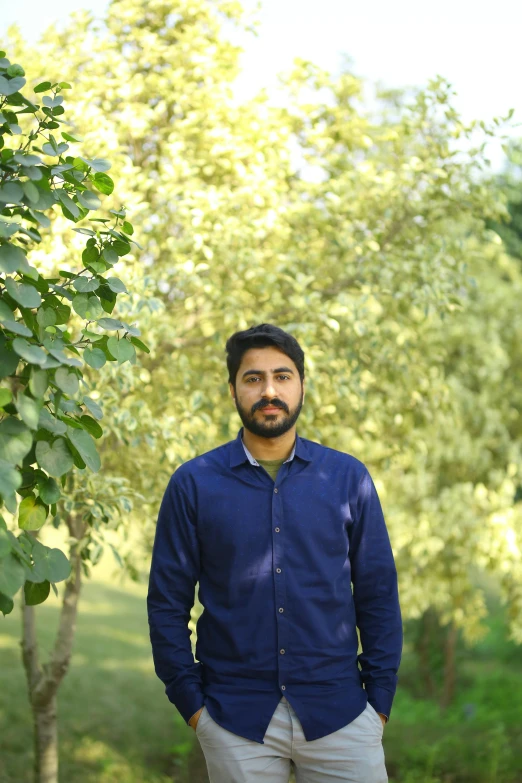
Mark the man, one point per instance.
(276, 529)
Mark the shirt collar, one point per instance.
(239, 452)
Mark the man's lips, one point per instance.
(270, 410)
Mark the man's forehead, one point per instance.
(270, 359)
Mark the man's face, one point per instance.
(268, 393)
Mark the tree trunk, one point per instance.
(46, 743)
(43, 681)
(450, 673)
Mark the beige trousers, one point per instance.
(353, 754)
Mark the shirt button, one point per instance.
(283, 687)
(276, 529)
(278, 570)
(282, 652)
(276, 490)
(281, 609)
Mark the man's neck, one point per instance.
(270, 448)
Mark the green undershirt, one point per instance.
(271, 466)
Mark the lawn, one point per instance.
(116, 724)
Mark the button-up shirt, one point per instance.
(287, 571)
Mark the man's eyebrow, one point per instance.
(262, 372)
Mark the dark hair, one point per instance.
(261, 336)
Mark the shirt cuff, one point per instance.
(380, 699)
(188, 701)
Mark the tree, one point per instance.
(367, 252)
(46, 432)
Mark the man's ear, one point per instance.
(232, 392)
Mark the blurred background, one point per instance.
(352, 174)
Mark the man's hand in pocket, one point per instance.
(194, 719)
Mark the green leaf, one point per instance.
(128, 228)
(57, 566)
(67, 381)
(29, 410)
(8, 359)
(116, 285)
(52, 102)
(92, 426)
(5, 397)
(89, 200)
(49, 491)
(6, 604)
(120, 247)
(43, 87)
(84, 284)
(86, 446)
(10, 481)
(103, 183)
(70, 137)
(15, 440)
(32, 513)
(90, 254)
(68, 203)
(94, 357)
(89, 307)
(110, 323)
(5, 542)
(55, 152)
(7, 319)
(64, 358)
(36, 593)
(27, 160)
(93, 407)
(122, 350)
(50, 423)
(11, 257)
(11, 192)
(31, 353)
(31, 191)
(17, 327)
(15, 70)
(139, 344)
(10, 86)
(38, 382)
(42, 219)
(12, 575)
(110, 255)
(46, 316)
(97, 164)
(26, 295)
(56, 458)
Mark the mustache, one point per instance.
(275, 403)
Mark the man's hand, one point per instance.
(382, 717)
(194, 719)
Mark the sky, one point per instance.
(474, 44)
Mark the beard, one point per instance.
(270, 426)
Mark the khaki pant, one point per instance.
(353, 754)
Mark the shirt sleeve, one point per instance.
(376, 599)
(175, 569)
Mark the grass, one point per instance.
(116, 723)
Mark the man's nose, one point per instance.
(268, 390)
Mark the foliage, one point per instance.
(49, 417)
(361, 231)
(480, 732)
(510, 182)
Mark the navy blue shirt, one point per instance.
(275, 562)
